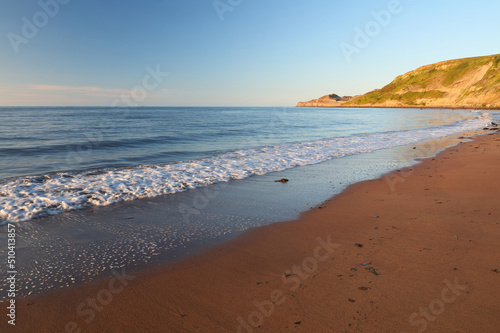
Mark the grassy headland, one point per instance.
(466, 83)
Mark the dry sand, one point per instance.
(431, 232)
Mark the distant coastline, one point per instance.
(403, 107)
(470, 83)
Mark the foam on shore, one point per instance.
(30, 197)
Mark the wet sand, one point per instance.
(413, 251)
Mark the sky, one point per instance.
(226, 52)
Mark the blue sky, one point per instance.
(242, 53)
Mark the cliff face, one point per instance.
(468, 83)
(326, 101)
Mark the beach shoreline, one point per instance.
(419, 231)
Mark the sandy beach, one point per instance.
(414, 251)
(246, 166)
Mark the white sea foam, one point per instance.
(29, 197)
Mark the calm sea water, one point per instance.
(58, 159)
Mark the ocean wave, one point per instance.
(30, 197)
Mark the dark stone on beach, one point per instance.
(282, 180)
(359, 245)
(367, 263)
(372, 270)
(495, 270)
(354, 269)
(364, 288)
(351, 300)
(298, 323)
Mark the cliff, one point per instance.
(461, 83)
(326, 101)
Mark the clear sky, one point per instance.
(226, 52)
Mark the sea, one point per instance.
(88, 192)
(57, 159)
